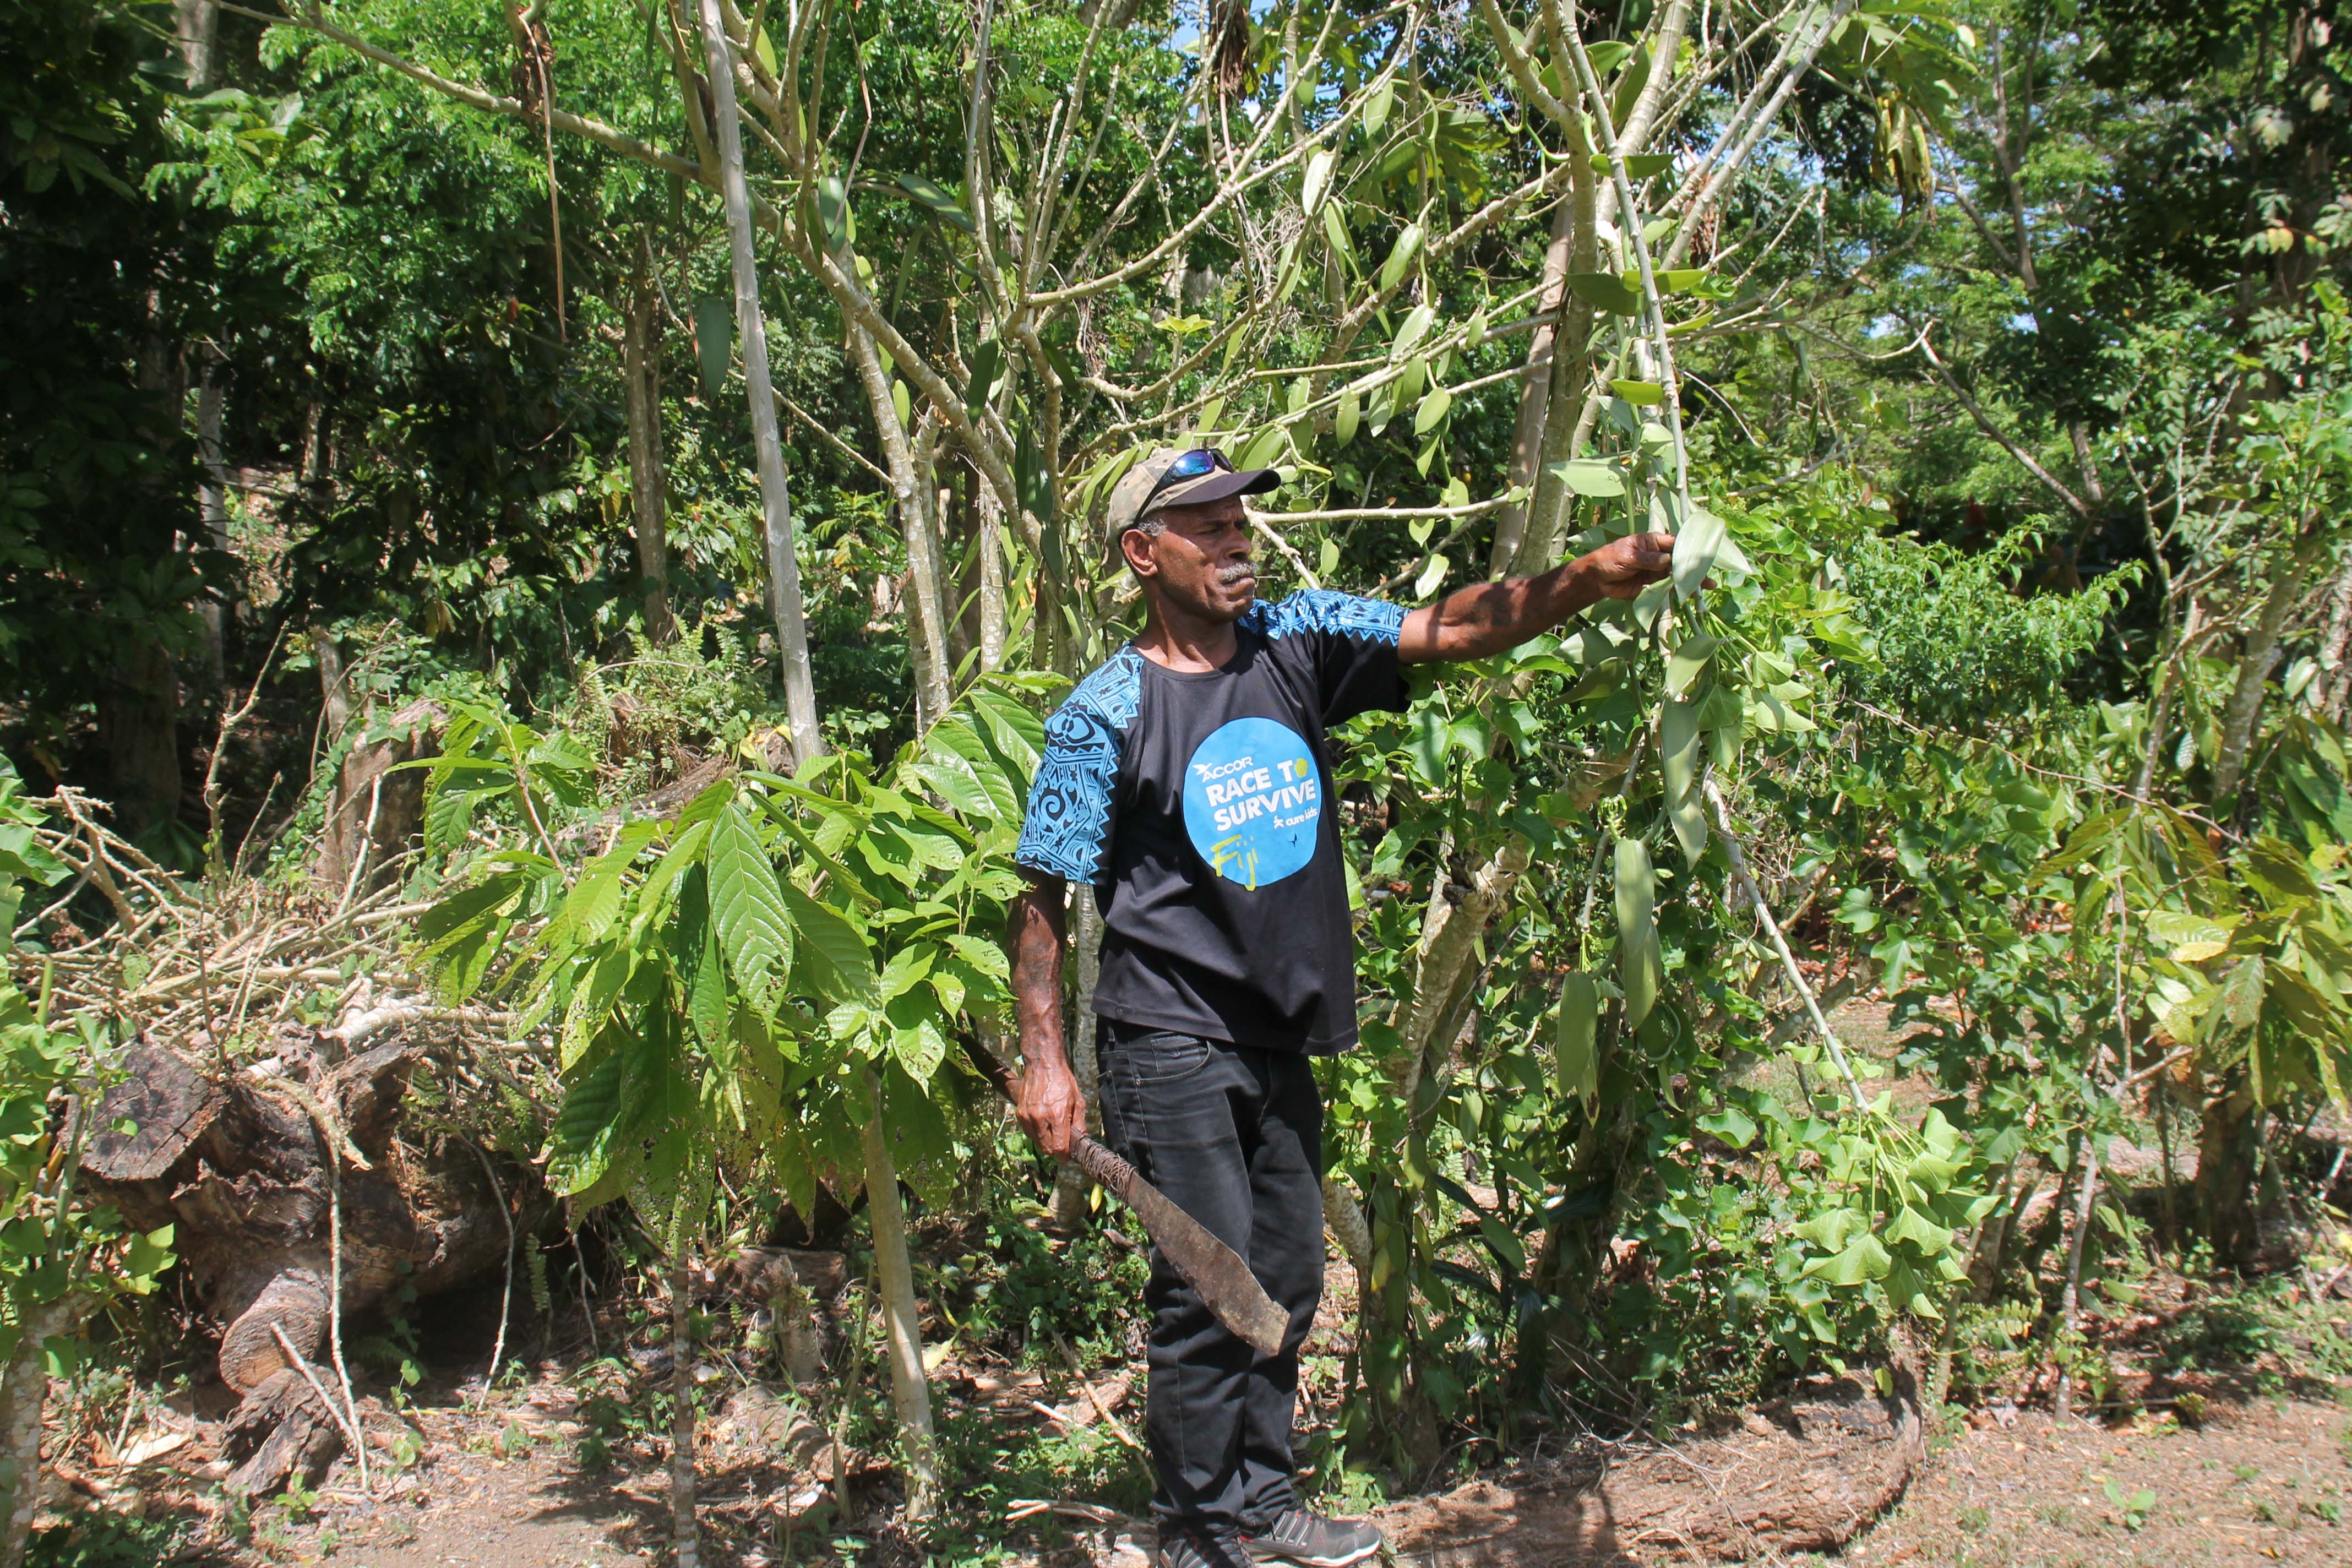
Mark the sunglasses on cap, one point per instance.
(1198, 463)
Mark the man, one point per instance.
(1189, 779)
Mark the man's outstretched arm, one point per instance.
(1488, 617)
(1049, 1104)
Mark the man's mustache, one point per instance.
(1229, 575)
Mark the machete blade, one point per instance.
(1227, 1287)
(1225, 1284)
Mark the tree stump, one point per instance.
(238, 1166)
(377, 808)
(279, 1432)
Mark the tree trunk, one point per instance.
(1535, 393)
(641, 377)
(910, 1394)
(138, 719)
(2337, 684)
(2086, 1194)
(237, 1167)
(212, 503)
(2226, 1151)
(195, 24)
(1570, 405)
(334, 690)
(377, 807)
(783, 568)
(991, 518)
(681, 1421)
(914, 496)
(2244, 706)
(24, 1393)
(1070, 1182)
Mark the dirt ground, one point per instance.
(2268, 1482)
(2262, 1479)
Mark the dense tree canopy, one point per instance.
(1989, 357)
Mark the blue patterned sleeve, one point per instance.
(1354, 642)
(1069, 824)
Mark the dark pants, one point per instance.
(1234, 1137)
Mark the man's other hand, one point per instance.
(1624, 567)
(1050, 1107)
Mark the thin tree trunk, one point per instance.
(2338, 680)
(211, 504)
(784, 569)
(1070, 1181)
(926, 620)
(910, 1394)
(2255, 661)
(24, 1392)
(2086, 1193)
(991, 517)
(138, 719)
(1535, 395)
(334, 690)
(2226, 1150)
(195, 26)
(641, 377)
(1568, 403)
(683, 1534)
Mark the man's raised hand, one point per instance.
(1624, 567)
(1050, 1106)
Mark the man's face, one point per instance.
(1199, 561)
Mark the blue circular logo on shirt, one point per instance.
(1251, 801)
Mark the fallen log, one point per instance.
(281, 1432)
(239, 1166)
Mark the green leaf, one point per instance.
(1401, 255)
(1595, 477)
(1376, 107)
(985, 365)
(833, 212)
(920, 1049)
(1608, 55)
(1638, 165)
(1318, 183)
(832, 948)
(1432, 411)
(1689, 662)
(1637, 930)
(1641, 394)
(1696, 544)
(1862, 1258)
(1731, 1125)
(1576, 1058)
(1921, 1232)
(714, 343)
(1350, 415)
(1678, 762)
(1606, 291)
(932, 196)
(1334, 232)
(1425, 744)
(755, 930)
(1504, 1245)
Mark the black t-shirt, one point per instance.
(1200, 806)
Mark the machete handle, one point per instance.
(1100, 1164)
(991, 1068)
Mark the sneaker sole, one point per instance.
(1272, 1554)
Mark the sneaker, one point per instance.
(1310, 1541)
(1183, 1547)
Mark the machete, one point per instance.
(1224, 1283)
